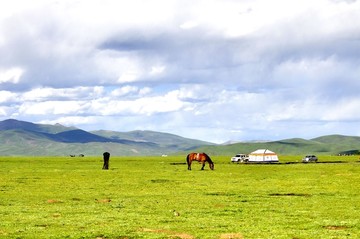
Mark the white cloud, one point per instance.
(344, 110)
(124, 91)
(140, 106)
(129, 76)
(156, 70)
(130, 91)
(183, 66)
(41, 94)
(189, 25)
(3, 111)
(11, 75)
(145, 91)
(7, 96)
(53, 108)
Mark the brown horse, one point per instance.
(201, 158)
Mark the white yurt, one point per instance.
(263, 155)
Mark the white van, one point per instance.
(240, 158)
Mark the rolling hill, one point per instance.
(26, 138)
(331, 144)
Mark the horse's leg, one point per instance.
(203, 165)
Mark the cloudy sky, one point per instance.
(214, 70)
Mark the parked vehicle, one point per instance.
(240, 158)
(310, 158)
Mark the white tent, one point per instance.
(263, 155)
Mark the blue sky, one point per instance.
(214, 70)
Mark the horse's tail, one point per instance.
(188, 160)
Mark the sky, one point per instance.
(213, 70)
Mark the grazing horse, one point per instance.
(201, 158)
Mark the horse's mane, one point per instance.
(208, 158)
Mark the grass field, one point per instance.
(155, 197)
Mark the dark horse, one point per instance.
(201, 158)
(106, 160)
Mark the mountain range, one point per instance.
(26, 138)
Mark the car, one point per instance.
(310, 158)
(240, 158)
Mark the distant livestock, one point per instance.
(80, 155)
(106, 160)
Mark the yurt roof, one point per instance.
(263, 151)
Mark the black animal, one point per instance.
(106, 160)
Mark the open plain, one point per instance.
(157, 197)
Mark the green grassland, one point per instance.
(157, 197)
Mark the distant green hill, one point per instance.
(28, 126)
(25, 138)
(331, 144)
(170, 141)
